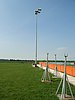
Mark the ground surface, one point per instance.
(20, 81)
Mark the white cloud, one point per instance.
(62, 48)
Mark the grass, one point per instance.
(20, 81)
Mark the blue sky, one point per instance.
(56, 29)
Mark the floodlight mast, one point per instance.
(65, 74)
(55, 58)
(55, 66)
(46, 76)
(63, 95)
(47, 62)
(36, 13)
(56, 73)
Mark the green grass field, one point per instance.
(20, 81)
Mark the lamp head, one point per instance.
(47, 53)
(55, 54)
(65, 55)
(39, 9)
(36, 12)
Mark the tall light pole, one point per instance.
(36, 13)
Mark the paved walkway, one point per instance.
(70, 78)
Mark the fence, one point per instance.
(70, 70)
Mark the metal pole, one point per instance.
(47, 59)
(55, 66)
(64, 95)
(55, 58)
(65, 76)
(36, 44)
(36, 13)
(47, 63)
(64, 88)
(46, 76)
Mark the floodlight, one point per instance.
(39, 9)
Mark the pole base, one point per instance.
(34, 65)
(55, 77)
(45, 81)
(68, 97)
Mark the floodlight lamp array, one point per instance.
(37, 11)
